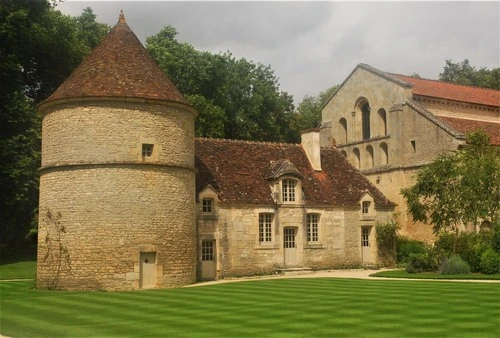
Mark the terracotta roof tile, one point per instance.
(119, 67)
(465, 125)
(239, 171)
(450, 91)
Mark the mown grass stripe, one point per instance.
(292, 308)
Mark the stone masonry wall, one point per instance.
(108, 205)
(239, 252)
(115, 131)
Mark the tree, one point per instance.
(236, 98)
(464, 74)
(39, 49)
(308, 114)
(458, 188)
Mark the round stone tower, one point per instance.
(117, 181)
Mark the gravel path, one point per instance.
(350, 273)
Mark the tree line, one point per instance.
(236, 98)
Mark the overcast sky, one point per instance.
(314, 45)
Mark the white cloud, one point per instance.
(314, 45)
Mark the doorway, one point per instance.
(290, 246)
(208, 259)
(147, 270)
(365, 244)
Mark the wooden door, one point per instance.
(208, 259)
(365, 244)
(290, 246)
(148, 270)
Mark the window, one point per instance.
(288, 190)
(414, 146)
(366, 207)
(312, 227)
(365, 121)
(207, 250)
(207, 206)
(265, 228)
(147, 150)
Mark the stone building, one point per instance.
(268, 206)
(129, 198)
(390, 125)
(117, 180)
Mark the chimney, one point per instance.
(310, 143)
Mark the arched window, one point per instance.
(356, 158)
(369, 158)
(343, 153)
(382, 119)
(365, 120)
(343, 130)
(384, 154)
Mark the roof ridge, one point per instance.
(227, 140)
(445, 82)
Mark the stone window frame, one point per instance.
(208, 193)
(312, 228)
(266, 228)
(367, 207)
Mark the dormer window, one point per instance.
(207, 206)
(366, 208)
(288, 190)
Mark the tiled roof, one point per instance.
(239, 172)
(465, 125)
(450, 91)
(118, 67)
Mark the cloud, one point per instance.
(314, 45)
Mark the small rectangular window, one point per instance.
(147, 150)
(207, 206)
(265, 227)
(366, 207)
(312, 227)
(413, 145)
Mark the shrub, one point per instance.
(386, 242)
(469, 246)
(454, 265)
(406, 248)
(490, 262)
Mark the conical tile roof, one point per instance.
(119, 66)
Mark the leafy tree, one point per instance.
(39, 48)
(465, 74)
(458, 188)
(308, 114)
(241, 97)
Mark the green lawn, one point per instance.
(20, 269)
(432, 275)
(275, 307)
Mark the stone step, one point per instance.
(294, 271)
(371, 267)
